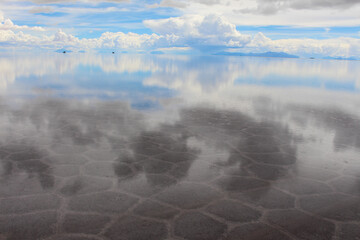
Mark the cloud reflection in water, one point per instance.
(212, 135)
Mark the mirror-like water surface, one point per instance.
(178, 147)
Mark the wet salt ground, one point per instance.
(217, 166)
(80, 172)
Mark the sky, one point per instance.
(307, 28)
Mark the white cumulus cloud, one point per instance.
(195, 30)
(339, 47)
(7, 24)
(209, 33)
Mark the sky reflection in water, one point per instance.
(155, 124)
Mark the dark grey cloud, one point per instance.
(309, 4)
(268, 7)
(171, 3)
(41, 10)
(184, 3)
(207, 2)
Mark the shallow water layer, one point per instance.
(103, 147)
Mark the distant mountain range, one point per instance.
(341, 58)
(239, 54)
(265, 54)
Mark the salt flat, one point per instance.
(101, 146)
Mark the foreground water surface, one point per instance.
(103, 147)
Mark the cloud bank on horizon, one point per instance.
(300, 27)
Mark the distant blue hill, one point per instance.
(266, 54)
(157, 52)
(63, 50)
(341, 58)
